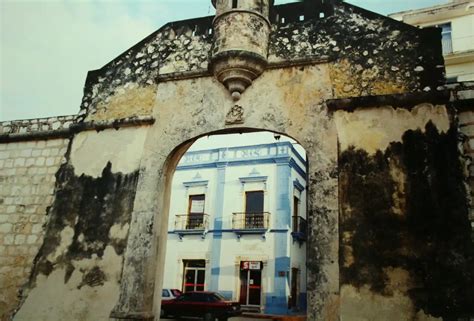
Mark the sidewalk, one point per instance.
(274, 317)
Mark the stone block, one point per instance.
(3, 218)
(33, 250)
(8, 239)
(31, 239)
(12, 146)
(54, 142)
(468, 130)
(41, 170)
(26, 152)
(8, 163)
(50, 161)
(30, 162)
(40, 161)
(20, 239)
(21, 171)
(37, 228)
(6, 228)
(36, 153)
(52, 170)
(8, 200)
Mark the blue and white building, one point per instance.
(237, 225)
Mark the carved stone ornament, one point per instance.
(235, 115)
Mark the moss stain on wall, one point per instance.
(407, 236)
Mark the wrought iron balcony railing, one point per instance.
(300, 228)
(250, 221)
(192, 221)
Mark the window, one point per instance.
(254, 215)
(196, 212)
(296, 205)
(446, 39)
(254, 202)
(196, 204)
(234, 4)
(194, 275)
(165, 293)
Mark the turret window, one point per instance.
(235, 4)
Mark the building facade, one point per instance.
(456, 20)
(237, 225)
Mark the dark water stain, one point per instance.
(90, 207)
(429, 236)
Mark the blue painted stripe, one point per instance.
(217, 236)
(278, 299)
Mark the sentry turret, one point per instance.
(241, 32)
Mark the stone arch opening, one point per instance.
(268, 162)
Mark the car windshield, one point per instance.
(176, 292)
(217, 297)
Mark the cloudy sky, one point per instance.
(47, 46)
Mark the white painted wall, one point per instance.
(233, 249)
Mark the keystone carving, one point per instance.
(235, 115)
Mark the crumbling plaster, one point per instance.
(188, 109)
(382, 56)
(123, 148)
(374, 130)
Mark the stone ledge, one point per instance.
(65, 132)
(405, 100)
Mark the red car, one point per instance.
(207, 305)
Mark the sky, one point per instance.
(48, 46)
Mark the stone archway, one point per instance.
(190, 108)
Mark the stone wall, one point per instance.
(463, 98)
(363, 64)
(387, 205)
(27, 180)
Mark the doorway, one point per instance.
(254, 215)
(194, 275)
(250, 283)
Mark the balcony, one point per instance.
(193, 223)
(300, 228)
(250, 223)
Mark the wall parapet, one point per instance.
(61, 127)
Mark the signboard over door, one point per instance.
(251, 265)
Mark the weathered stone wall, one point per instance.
(404, 236)
(381, 56)
(388, 213)
(78, 268)
(463, 97)
(27, 180)
(466, 124)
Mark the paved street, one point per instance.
(230, 319)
